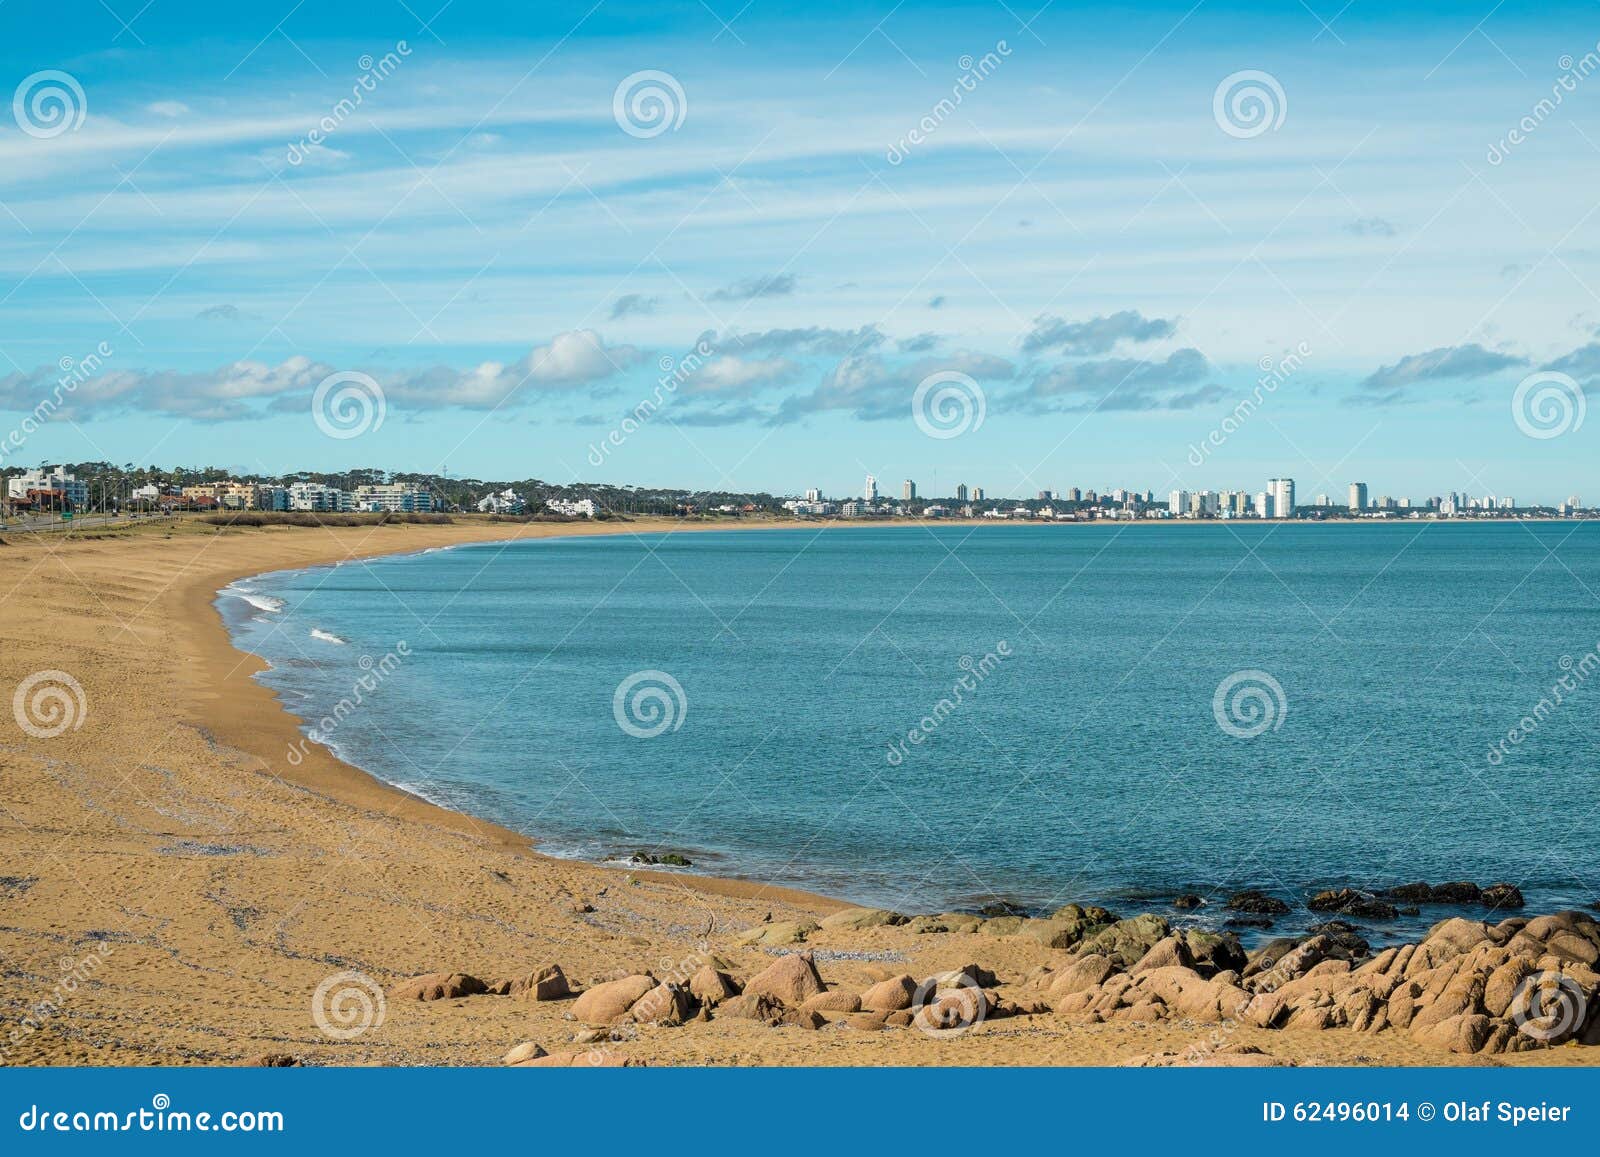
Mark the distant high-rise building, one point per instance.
(1281, 491)
(1178, 503)
(908, 490)
(1358, 496)
(813, 495)
(961, 492)
(1045, 496)
(1263, 504)
(870, 491)
(977, 494)
(1074, 494)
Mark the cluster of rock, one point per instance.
(546, 983)
(1469, 987)
(790, 991)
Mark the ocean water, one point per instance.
(1367, 674)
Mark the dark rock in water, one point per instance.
(1409, 910)
(1502, 896)
(1000, 908)
(1418, 893)
(1257, 904)
(671, 859)
(1187, 901)
(1349, 902)
(1247, 922)
(1347, 941)
(1461, 892)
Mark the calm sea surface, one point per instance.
(1087, 757)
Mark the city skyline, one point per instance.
(1340, 291)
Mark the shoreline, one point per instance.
(256, 722)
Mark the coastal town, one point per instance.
(64, 491)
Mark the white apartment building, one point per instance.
(581, 508)
(504, 502)
(49, 478)
(394, 496)
(316, 496)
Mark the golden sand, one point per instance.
(174, 890)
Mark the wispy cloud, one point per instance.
(633, 304)
(1444, 364)
(1098, 335)
(750, 288)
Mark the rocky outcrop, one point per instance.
(547, 983)
(1468, 987)
(778, 935)
(790, 980)
(438, 986)
(1350, 902)
(610, 1002)
(1126, 941)
(890, 995)
(856, 919)
(1257, 903)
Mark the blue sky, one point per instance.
(1092, 240)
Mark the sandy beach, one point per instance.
(175, 890)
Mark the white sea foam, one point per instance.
(326, 636)
(260, 602)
